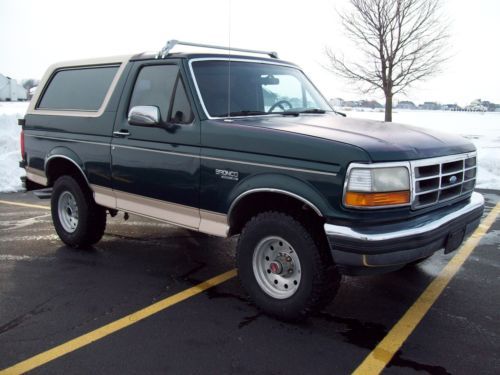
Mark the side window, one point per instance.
(181, 110)
(154, 86)
(80, 89)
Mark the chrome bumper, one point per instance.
(403, 242)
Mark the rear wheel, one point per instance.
(284, 270)
(78, 220)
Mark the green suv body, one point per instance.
(243, 145)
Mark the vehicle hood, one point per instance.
(383, 141)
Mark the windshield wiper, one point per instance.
(243, 113)
(310, 110)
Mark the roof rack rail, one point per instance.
(172, 43)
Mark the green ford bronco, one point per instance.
(240, 145)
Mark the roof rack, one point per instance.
(172, 43)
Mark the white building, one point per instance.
(10, 90)
(337, 102)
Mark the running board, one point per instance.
(43, 193)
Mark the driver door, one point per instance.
(155, 168)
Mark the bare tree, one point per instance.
(29, 83)
(401, 41)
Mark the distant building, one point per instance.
(370, 104)
(352, 103)
(406, 104)
(361, 104)
(337, 102)
(10, 90)
(476, 106)
(491, 107)
(430, 106)
(451, 107)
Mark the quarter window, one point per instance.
(81, 89)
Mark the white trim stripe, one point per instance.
(271, 166)
(157, 151)
(67, 139)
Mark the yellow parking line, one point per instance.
(376, 361)
(108, 329)
(25, 205)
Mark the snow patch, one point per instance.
(10, 153)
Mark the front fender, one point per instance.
(282, 184)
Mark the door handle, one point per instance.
(122, 133)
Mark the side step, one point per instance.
(43, 193)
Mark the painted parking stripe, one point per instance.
(117, 325)
(25, 205)
(378, 359)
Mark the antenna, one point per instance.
(229, 65)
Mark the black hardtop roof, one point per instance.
(190, 56)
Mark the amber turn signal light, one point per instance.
(377, 199)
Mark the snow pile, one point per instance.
(482, 129)
(10, 153)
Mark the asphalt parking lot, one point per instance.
(66, 311)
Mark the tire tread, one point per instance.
(326, 279)
(92, 217)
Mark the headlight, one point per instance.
(376, 187)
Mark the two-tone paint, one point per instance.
(173, 173)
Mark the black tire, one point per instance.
(319, 280)
(91, 220)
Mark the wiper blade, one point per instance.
(313, 110)
(310, 110)
(243, 113)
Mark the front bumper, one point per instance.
(361, 250)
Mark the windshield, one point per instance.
(255, 89)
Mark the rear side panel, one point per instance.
(82, 136)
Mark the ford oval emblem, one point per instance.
(453, 179)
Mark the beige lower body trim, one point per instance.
(170, 212)
(213, 223)
(104, 196)
(185, 216)
(36, 176)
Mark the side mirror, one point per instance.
(145, 115)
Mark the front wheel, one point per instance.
(283, 269)
(78, 220)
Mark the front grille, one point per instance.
(441, 179)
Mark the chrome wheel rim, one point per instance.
(276, 267)
(67, 210)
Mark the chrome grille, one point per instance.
(441, 179)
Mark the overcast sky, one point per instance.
(35, 34)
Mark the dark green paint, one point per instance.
(150, 169)
(173, 162)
